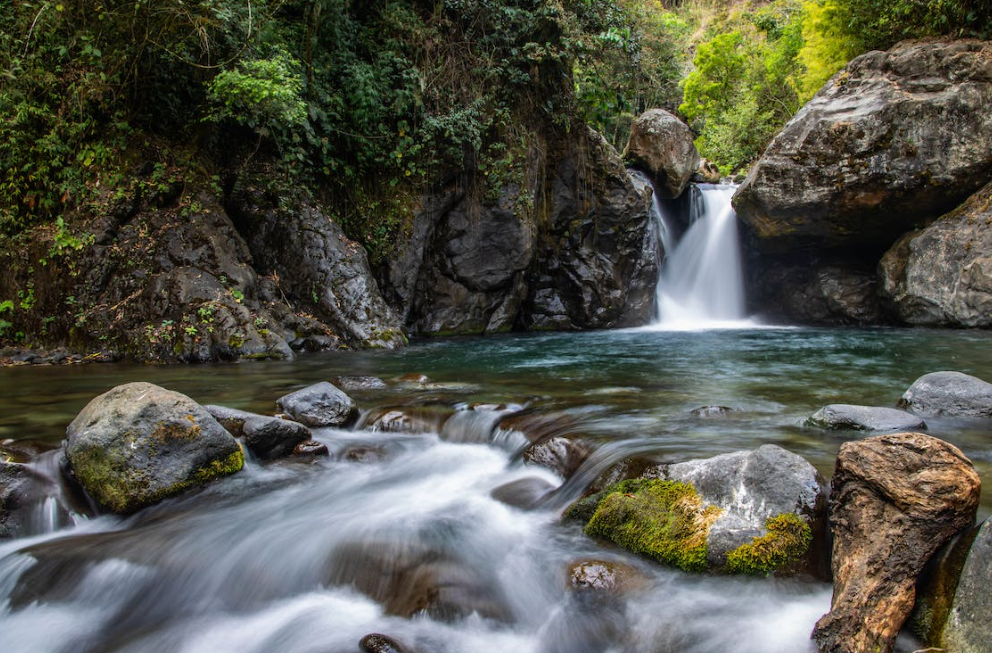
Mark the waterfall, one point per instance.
(701, 284)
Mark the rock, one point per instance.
(607, 578)
(894, 500)
(21, 489)
(864, 418)
(414, 378)
(561, 455)
(269, 437)
(662, 146)
(525, 493)
(965, 629)
(707, 173)
(359, 383)
(405, 420)
(365, 455)
(949, 393)
(321, 404)
(139, 443)
(376, 643)
(895, 139)
(411, 577)
(708, 412)
(815, 289)
(754, 512)
(942, 275)
(231, 419)
(311, 448)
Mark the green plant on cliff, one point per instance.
(665, 520)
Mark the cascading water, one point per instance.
(701, 284)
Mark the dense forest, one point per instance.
(364, 105)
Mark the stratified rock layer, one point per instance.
(894, 500)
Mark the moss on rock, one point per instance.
(786, 542)
(665, 520)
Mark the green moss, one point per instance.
(787, 541)
(662, 519)
(217, 468)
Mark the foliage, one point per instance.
(827, 45)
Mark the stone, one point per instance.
(376, 643)
(709, 412)
(405, 420)
(311, 448)
(605, 577)
(966, 629)
(864, 418)
(662, 146)
(348, 383)
(942, 275)
(895, 139)
(365, 455)
(949, 393)
(318, 405)
(707, 173)
(894, 500)
(812, 289)
(269, 437)
(561, 455)
(139, 443)
(525, 493)
(21, 488)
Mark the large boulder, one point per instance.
(753, 512)
(895, 139)
(949, 393)
(864, 418)
(139, 443)
(894, 500)
(662, 146)
(942, 275)
(321, 404)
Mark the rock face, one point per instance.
(661, 145)
(894, 500)
(949, 393)
(566, 242)
(864, 418)
(321, 404)
(815, 291)
(942, 275)
(966, 627)
(140, 443)
(754, 512)
(896, 138)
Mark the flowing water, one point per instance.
(701, 284)
(307, 557)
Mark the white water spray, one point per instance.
(701, 285)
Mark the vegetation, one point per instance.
(786, 542)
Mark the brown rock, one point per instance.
(661, 145)
(311, 448)
(895, 500)
(561, 455)
(604, 577)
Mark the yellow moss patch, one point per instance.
(787, 541)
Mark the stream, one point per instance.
(303, 556)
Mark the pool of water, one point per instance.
(266, 560)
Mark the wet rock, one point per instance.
(964, 629)
(708, 412)
(409, 578)
(561, 455)
(231, 419)
(894, 500)
(319, 405)
(140, 443)
(359, 383)
(895, 139)
(405, 420)
(942, 275)
(864, 418)
(376, 643)
(365, 455)
(524, 493)
(21, 489)
(707, 173)
(478, 424)
(604, 577)
(949, 393)
(311, 448)
(662, 146)
(269, 437)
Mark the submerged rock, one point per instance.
(524, 493)
(895, 139)
(311, 448)
(662, 146)
(606, 578)
(753, 512)
(949, 393)
(376, 643)
(139, 443)
(864, 418)
(894, 500)
(321, 404)
(359, 383)
(405, 419)
(942, 275)
(20, 489)
(561, 455)
(707, 412)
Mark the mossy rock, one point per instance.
(665, 520)
(786, 543)
(138, 444)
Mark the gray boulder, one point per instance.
(895, 139)
(864, 418)
(266, 437)
(662, 146)
(966, 629)
(562, 455)
(139, 443)
(942, 275)
(949, 393)
(321, 404)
